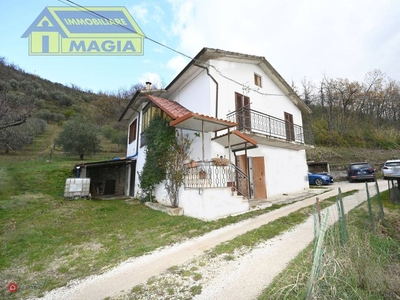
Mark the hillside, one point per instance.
(28, 103)
(339, 138)
(339, 158)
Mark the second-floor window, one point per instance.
(149, 113)
(132, 131)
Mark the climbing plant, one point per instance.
(159, 137)
(176, 170)
(166, 153)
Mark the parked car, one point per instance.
(361, 171)
(391, 168)
(319, 178)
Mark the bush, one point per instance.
(37, 126)
(108, 131)
(69, 113)
(49, 116)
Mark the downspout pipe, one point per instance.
(137, 138)
(217, 87)
(137, 151)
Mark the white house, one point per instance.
(245, 112)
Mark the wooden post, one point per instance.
(318, 211)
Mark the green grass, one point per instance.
(367, 267)
(46, 241)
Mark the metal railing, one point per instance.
(257, 122)
(206, 175)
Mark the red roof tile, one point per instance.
(184, 118)
(172, 108)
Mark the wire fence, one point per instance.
(326, 266)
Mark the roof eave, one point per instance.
(137, 98)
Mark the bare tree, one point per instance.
(308, 91)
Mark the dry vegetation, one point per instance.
(339, 158)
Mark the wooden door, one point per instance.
(289, 125)
(242, 183)
(243, 116)
(260, 190)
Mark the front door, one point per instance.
(260, 190)
(242, 183)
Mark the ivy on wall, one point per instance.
(166, 153)
(160, 137)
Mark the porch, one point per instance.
(217, 174)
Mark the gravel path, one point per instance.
(242, 278)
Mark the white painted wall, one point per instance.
(197, 95)
(268, 99)
(285, 169)
(133, 147)
(211, 204)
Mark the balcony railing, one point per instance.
(206, 175)
(257, 122)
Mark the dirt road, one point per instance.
(240, 284)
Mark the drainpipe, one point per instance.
(137, 151)
(216, 102)
(216, 84)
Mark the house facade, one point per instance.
(250, 140)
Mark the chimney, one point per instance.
(148, 85)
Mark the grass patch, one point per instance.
(366, 267)
(46, 241)
(272, 229)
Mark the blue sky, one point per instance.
(300, 38)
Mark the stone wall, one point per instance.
(107, 181)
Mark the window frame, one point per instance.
(258, 80)
(289, 126)
(148, 113)
(133, 131)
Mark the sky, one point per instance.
(302, 39)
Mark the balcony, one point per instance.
(267, 129)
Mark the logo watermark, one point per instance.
(84, 31)
(12, 287)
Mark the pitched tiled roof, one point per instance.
(172, 108)
(184, 118)
(194, 121)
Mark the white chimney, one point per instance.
(148, 85)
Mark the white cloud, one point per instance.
(177, 63)
(303, 38)
(139, 13)
(154, 78)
